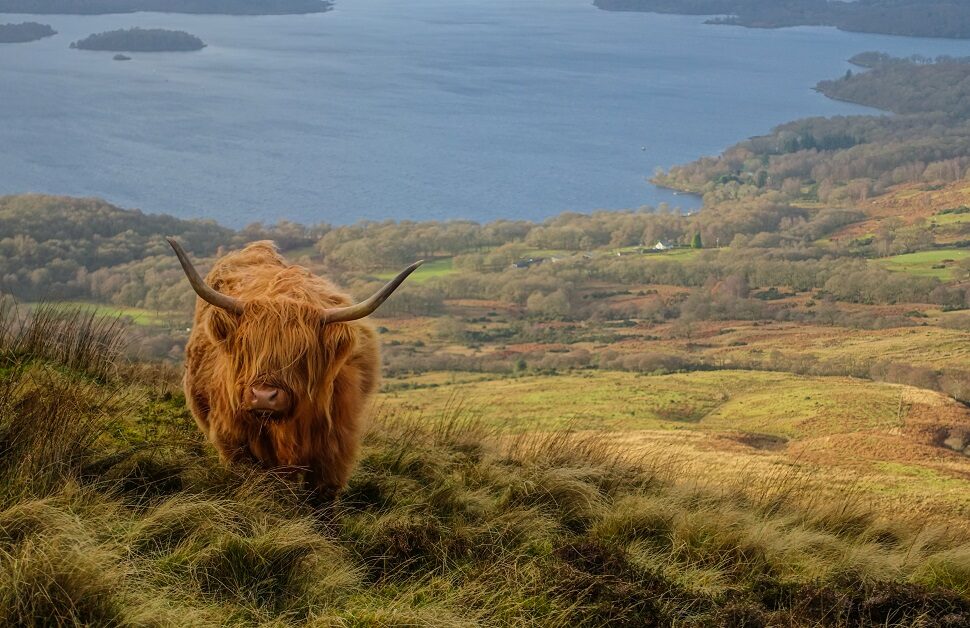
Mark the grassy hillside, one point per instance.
(625, 401)
(113, 511)
(884, 442)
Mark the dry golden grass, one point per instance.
(114, 512)
(909, 203)
(726, 427)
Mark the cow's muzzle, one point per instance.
(267, 402)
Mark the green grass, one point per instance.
(547, 253)
(908, 480)
(922, 263)
(138, 316)
(114, 511)
(682, 254)
(436, 528)
(951, 219)
(799, 407)
(294, 254)
(679, 254)
(429, 270)
(751, 401)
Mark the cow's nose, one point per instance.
(267, 398)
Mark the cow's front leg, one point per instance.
(233, 447)
(323, 490)
(199, 406)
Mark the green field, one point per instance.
(680, 255)
(951, 219)
(295, 254)
(778, 404)
(138, 316)
(428, 270)
(549, 253)
(922, 263)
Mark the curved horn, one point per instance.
(365, 308)
(205, 293)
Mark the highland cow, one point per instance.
(280, 364)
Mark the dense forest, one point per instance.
(850, 158)
(24, 32)
(58, 248)
(910, 86)
(915, 18)
(221, 7)
(141, 40)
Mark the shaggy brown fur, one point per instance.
(328, 370)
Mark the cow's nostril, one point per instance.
(267, 398)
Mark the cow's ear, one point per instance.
(221, 324)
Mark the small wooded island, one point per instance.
(22, 33)
(140, 40)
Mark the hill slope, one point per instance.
(114, 512)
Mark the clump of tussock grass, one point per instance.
(55, 570)
(60, 579)
(52, 427)
(75, 337)
(285, 568)
(113, 511)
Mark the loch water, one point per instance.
(430, 109)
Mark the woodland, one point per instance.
(140, 40)
(24, 32)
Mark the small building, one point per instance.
(662, 245)
(525, 263)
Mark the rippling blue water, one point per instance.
(429, 109)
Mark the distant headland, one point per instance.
(215, 7)
(141, 40)
(913, 18)
(22, 33)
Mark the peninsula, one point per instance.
(913, 18)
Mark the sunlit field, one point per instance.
(113, 510)
(939, 263)
(831, 433)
